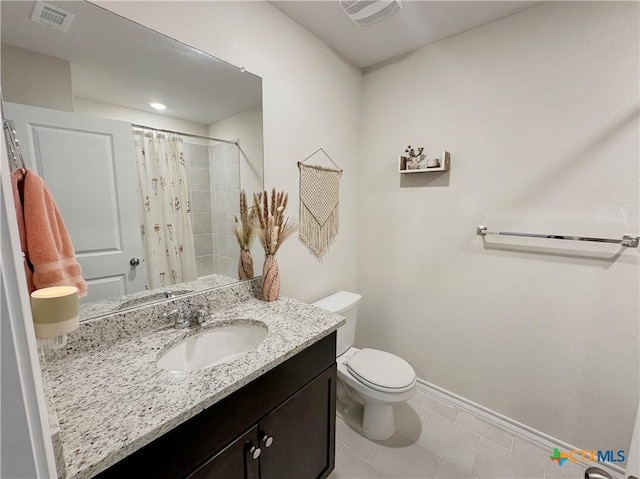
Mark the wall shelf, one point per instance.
(444, 165)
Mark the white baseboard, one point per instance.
(510, 425)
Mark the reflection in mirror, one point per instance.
(145, 144)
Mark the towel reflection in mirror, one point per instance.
(49, 257)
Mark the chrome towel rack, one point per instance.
(627, 240)
(13, 146)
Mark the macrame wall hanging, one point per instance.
(319, 204)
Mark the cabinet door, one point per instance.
(303, 432)
(236, 461)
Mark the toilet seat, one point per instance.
(381, 371)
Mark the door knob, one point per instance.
(268, 440)
(134, 262)
(596, 473)
(255, 452)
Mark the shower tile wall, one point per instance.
(225, 190)
(201, 206)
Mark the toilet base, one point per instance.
(349, 407)
(375, 422)
(352, 415)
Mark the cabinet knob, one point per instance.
(268, 440)
(255, 452)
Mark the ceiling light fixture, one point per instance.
(157, 106)
(366, 12)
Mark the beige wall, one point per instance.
(543, 137)
(34, 79)
(85, 106)
(311, 99)
(540, 113)
(246, 127)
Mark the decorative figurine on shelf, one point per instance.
(412, 161)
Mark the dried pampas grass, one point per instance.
(272, 228)
(244, 229)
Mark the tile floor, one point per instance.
(437, 441)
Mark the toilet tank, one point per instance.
(345, 304)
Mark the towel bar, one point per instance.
(627, 240)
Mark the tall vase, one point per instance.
(270, 278)
(245, 265)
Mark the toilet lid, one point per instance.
(381, 370)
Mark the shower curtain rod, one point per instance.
(183, 134)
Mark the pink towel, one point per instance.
(48, 251)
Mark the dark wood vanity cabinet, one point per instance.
(234, 461)
(295, 440)
(303, 432)
(279, 426)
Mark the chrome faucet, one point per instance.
(182, 319)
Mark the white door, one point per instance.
(89, 167)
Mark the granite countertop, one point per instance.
(111, 399)
(104, 307)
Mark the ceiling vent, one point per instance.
(366, 12)
(52, 16)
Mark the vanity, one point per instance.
(282, 424)
(267, 414)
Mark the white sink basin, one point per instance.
(215, 346)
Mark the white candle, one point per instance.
(54, 311)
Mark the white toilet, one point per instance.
(370, 381)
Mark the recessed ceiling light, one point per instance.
(157, 106)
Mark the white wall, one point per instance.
(26, 450)
(246, 127)
(34, 79)
(311, 99)
(85, 106)
(16, 459)
(540, 113)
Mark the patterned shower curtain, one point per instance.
(166, 230)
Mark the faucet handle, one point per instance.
(177, 317)
(199, 316)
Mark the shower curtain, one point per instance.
(166, 229)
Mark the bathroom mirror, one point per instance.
(80, 84)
